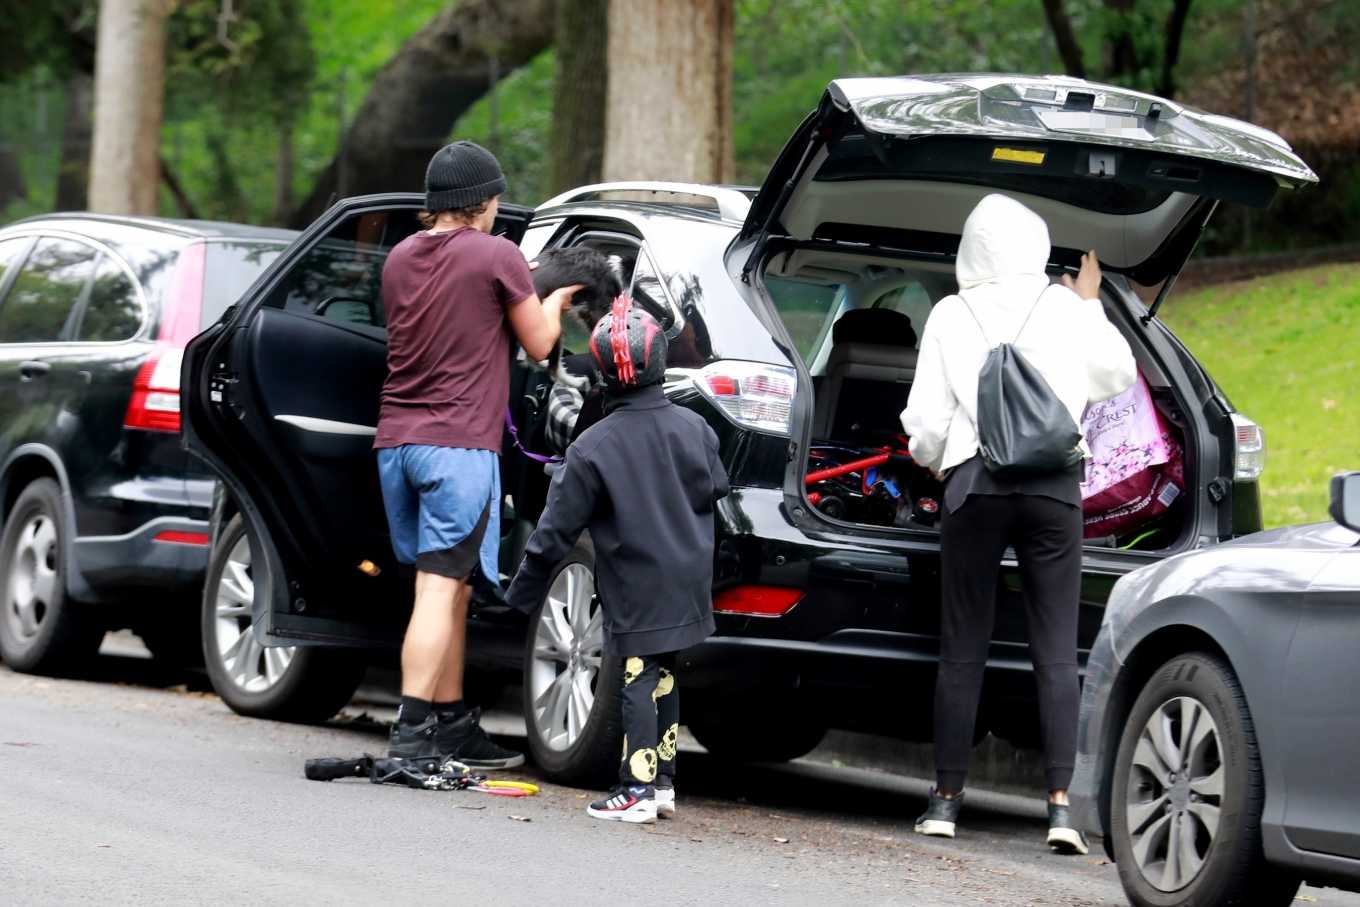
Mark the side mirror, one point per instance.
(1345, 508)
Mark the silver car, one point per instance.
(1220, 720)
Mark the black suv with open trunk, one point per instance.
(827, 602)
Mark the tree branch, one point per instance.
(1066, 39)
(186, 204)
(1175, 27)
(416, 99)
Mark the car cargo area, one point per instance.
(857, 319)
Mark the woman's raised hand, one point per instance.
(1087, 284)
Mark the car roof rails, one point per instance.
(732, 204)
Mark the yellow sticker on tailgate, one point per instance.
(1018, 156)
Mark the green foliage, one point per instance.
(1283, 349)
(260, 60)
(519, 131)
(55, 35)
(300, 65)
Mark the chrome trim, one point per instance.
(732, 205)
(327, 426)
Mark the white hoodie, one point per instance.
(1001, 274)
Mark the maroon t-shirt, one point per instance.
(448, 339)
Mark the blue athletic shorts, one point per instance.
(443, 508)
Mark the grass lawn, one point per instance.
(1286, 351)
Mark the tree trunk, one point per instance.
(12, 186)
(1065, 37)
(579, 86)
(1121, 54)
(669, 110)
(129, 95)
(73, 174)
(414, 102)
(1175, 27)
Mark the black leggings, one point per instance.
(1046, 535)
(651, 720)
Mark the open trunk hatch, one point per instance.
(899, 162)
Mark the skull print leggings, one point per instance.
(651, 720)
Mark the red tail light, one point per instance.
(757, 601)
(751, 394)
(180, 537)
(155, 391)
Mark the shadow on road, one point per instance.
(802, 786)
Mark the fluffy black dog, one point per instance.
(598, 273)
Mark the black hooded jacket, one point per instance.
(643, 481)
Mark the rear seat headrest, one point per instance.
(885, 327)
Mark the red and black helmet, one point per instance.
(629, 346)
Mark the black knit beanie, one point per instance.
(461, 175)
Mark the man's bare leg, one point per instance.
(450, 685)
(457, 736)
(425, 652)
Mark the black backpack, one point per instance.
(1023, 428)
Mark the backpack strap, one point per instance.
(1025, 324)
(981, 329)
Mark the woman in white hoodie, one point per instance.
(1005, 296)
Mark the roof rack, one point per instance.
(732, 203)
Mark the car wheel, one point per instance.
(1188, 793)
(41, 630)
(753, 732)
(572, 709)
(287, 683)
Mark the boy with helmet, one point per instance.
(643, 481)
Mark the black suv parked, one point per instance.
(828, 615)
(101, 506)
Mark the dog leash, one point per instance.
(514, 436)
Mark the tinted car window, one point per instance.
(912, 300)
(807, 310)
(230, 267)
(112, 312)
(341, 277)
(10, 250)
(46, 291)
(536, 237)
(646, 291)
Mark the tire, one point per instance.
(754, 732)
(285, 683)
(1202, 801)
(568, 748)
(42, 631)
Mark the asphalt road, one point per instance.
(134, 788)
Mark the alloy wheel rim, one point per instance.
(252, 667)
(1175, 793)
(33, 580)
(568, 653)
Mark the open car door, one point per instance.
(282, 400)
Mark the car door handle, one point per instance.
(865, 566)
(33, 368)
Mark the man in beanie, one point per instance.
(644, 481)
(456, 298)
